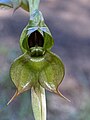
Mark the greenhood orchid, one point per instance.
(38, 68)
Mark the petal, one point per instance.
(52, 75)
(24, 40)
(22, 74)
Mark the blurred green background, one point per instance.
(69, 22)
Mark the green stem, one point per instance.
(38, 103)
(33, 5)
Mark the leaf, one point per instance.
(38, 102)
(6, 3)
(15, 4)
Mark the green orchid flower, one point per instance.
(38, 68)
(38, 64)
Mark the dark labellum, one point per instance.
(35, 39)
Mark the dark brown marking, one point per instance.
(35, 39)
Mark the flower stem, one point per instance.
(33, 5)
(38, 103)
